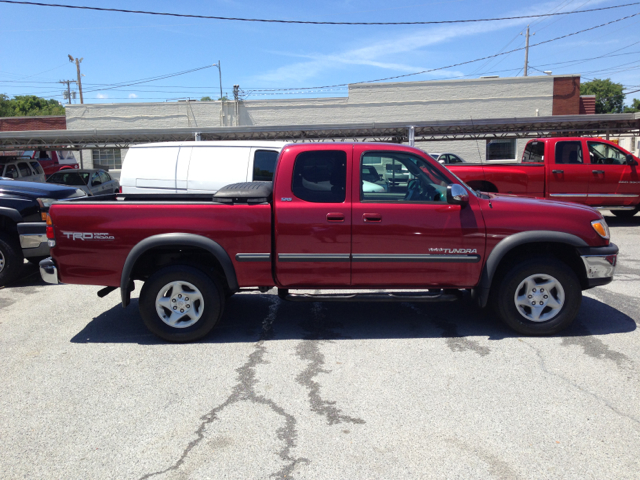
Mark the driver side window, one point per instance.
(401, 177)
(605, 154)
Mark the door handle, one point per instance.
(371, 217)
(597, 171)
(557, 171)
(335, 217)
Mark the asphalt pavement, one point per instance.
(320, 390)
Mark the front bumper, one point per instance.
(49, 271)
(599, 263)
(33, 239)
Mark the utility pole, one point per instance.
(79, 82)
(68, 92)
(526, 52)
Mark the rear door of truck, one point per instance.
(568, 171)
(613, 182)
(313, 216)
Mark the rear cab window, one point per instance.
(320, 176)
(533, 152)
(569, 153)
(25, 170)
(36, 167)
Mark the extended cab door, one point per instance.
(613, 182)
(407, 235)
(313, 216)
(568, 171)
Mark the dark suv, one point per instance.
(23, 210)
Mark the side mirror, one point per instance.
(631, 161)
(457, 195)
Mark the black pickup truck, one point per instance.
(23, 209)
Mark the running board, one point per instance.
(619, 207)
(436, 296)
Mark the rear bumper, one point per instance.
(33, 239)
(49, 271)
(599, 263)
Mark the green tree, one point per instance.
(206, 99)
(635, 107)
(28, 106)
(609, 96)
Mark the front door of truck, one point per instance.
(613, 182)
(568, 172)
(407, 235)
(313, 219)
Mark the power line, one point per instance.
(305, 22)
(461, 63)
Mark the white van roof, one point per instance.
(208, 143)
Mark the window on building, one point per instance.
(108, 158)
(320, 177)
(501, 149)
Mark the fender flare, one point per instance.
(175, 239)
(11, 213)
(509, 243)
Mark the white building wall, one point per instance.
(383, 102)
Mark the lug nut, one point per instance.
(542, 289)
(530, 296)
(188, 306)
(173, 300)
(180, 296)
(533, 290)
(546, 296)
(175, 308)
(186, 299)
(181, 310)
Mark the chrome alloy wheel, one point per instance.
(2, 261)
(539, 297)
(179, 304)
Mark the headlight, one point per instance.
(601, 228)
(45, 203)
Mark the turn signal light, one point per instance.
(50, 233)
(601, 228)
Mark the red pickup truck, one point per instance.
(317, 227)
(591, 171)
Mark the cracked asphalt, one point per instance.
(320, 390)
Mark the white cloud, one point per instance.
(384, 54)
(133, 95)
(102, 95)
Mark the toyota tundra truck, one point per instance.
(591, 171)
(427, 238)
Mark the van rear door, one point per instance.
(150, 170)
(213, 167)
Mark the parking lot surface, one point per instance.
(320, 390)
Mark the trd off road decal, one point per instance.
(87, 236)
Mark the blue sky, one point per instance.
(267, 58)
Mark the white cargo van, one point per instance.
(197, 167)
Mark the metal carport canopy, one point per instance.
(527, 127)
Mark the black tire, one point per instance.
(625, 213)
(207, 309)
(525, 279)
(11, 259)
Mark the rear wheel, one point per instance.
(11, 259)
(539, 296)
(181, 303)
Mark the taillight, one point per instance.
(51, 234)
(120, 190)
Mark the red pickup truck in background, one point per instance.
(52, 161)
(591, 171)
(317, 227)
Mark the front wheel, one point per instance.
(539, 296)
(181, 303)
(11, 259)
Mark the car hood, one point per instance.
(36, 190)
(537, 203)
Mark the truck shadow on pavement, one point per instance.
(614, 221)
(255, 317)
